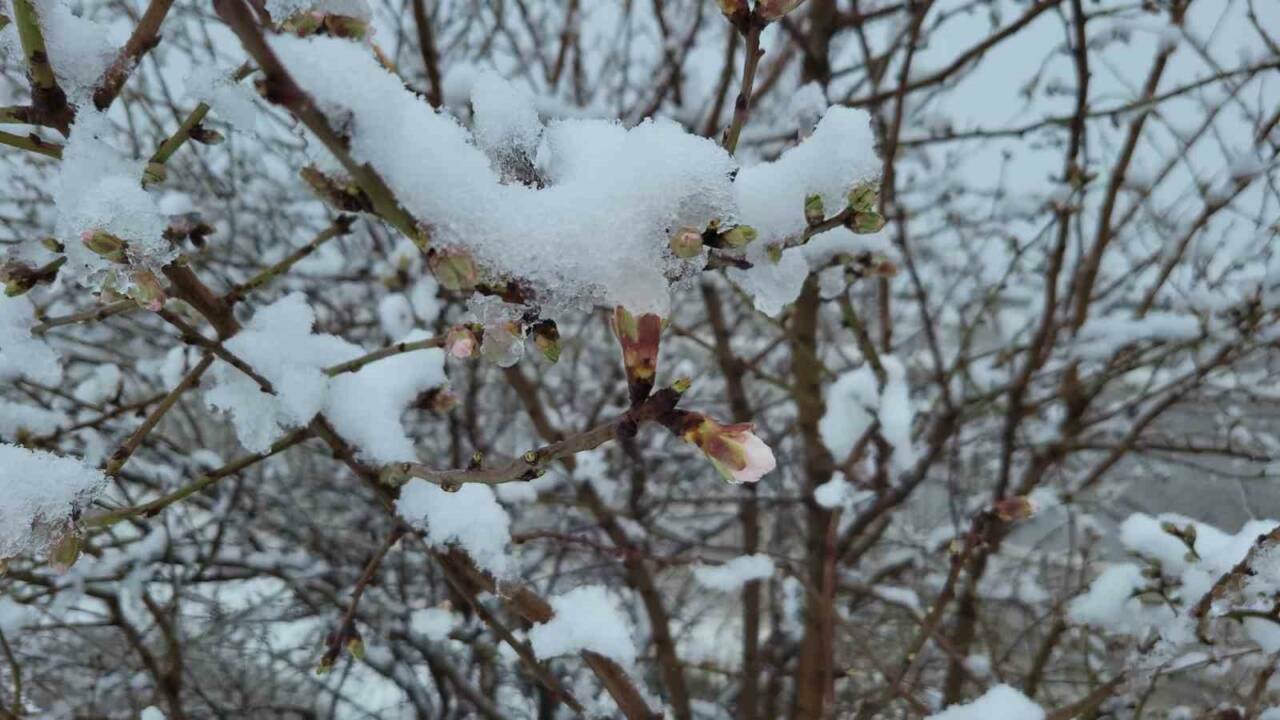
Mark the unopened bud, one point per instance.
(774, 253)
(1015, 508)
(738, 237)
(66, 550)
(106, 245)
(147, 290)
(814, 213)
(866, 223)
(732, 7)
(682, 384)
(344, 26)
(865, 196)
(686, 243)
(154, 173)
(53, 245)
(546, 336)
(355, 646)
(454, 269)
(442, 401)
(205, 136)
(460, 342)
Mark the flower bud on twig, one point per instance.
(737, 453)
(460, 342)
(454, 269)
(686, 243)
(639, 339)
(106, 245)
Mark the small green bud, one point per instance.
(682, 385)
(546, 336)
(454, 269)
(686, 243)
(865, 196)
(774, 253)
(814, 213)
(154, 173)
(52, 245)
(866, 223)
(106, 245)
(66, 550)
(739, 236)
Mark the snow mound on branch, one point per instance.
(854, 402)
(364, 406)
(1126, 600)
(470, 519)
(80, 50)
(771, 196)
(597, 232)
(734, 574)
(999, 703)
(586, 618)
(21, 354)
(432, 623)
(40, 491)
(100, 188)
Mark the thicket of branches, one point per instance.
(356, 363)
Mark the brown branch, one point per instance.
(144, 37)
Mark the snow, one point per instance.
(470, 518)
(999, 703)
(152, 713)
(17, 419)
(100, 188)
(395, 314)
(101, 385)
(80, 50)
(230, 101)
(278, 344)
(586, 618)
(1099, 338)
(854, 402)
(365, 406)
(21, 354)
(434, 624)
(41, 491)
(732, 575)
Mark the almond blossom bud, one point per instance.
(686, 243)
(105, 244)
(866, 223)
(460, 342)
(732, 7)
(639, 339)
(770, 10)
(345, 26)
(454, 269)
(1011, 509)
(738, 236)
(546, 336)
(737, 453)
(147, 290)
(865, 196)
(66, 549)
(814, 213)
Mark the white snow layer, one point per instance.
(40, 492)
(999, 703)
(586, 618)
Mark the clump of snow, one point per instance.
(281, 10)
(432, 623)
(41, 490)
(21, 354)
(80, 50)
(586, 618)
(638, 183)
(470, 518)
(17, 419)
(771, 198)
(100, 188)
(1127, 600)
(230, 101)
(101, 385)
(854, 402)
(999, 703)
(732, 575)
(365, 406)
(278, 344)
(505, 121)
(1100, 338)
(395, 314)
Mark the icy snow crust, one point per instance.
(597, 232)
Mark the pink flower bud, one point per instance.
(736, 452)
(686, 243)
(639, 339)
(461, 342)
